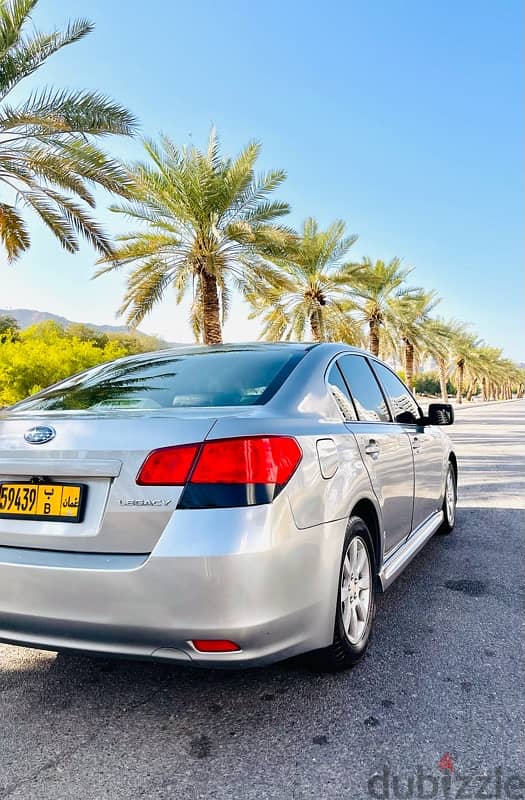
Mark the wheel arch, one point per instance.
(366, 509)
(453, 460)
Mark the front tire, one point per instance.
(355, 601)
(449, 501)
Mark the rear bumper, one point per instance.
(247, 575)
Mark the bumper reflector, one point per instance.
(215, 646)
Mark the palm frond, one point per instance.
(13, 16)
(62, 111)
(54, 219)
(52, 206)
(22, 59)
(146, 288)
(13, 232)
(48, 160)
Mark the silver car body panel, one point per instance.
(141, 577)
(387, 455)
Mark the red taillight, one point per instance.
(168, 466)
(215, 646)
(247, 459)
(257, 459)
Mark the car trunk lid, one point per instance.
(103, 453)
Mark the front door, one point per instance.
(427, 446)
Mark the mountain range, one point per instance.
(28, 316)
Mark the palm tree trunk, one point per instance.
(409, 364)
(315, 327)
(373, 339)
(442, 366)
(461, 372)
(470, 390)
(484, 389)
(211, 313)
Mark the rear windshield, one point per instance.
(220, 378)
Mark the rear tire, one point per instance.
(449, 501)
(355, 601)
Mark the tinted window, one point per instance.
(340, 393)
(219, 378)
(403, 404)
(368, 397)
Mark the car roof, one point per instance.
(232, 347)
(325, 349)
(236, 346)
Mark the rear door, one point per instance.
(426, 444)
(384, 446)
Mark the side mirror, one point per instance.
(440, 414)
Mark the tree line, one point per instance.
(206, 223)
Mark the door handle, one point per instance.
(416, 444)
(372, 449)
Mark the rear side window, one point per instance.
(368, 398)
(200, 379)
(403, 404)
(340, 393)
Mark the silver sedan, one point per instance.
(230, 505)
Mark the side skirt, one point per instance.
(397, 562)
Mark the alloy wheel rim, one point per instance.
(450, 497)
(356, 592)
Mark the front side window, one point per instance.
(404, 407)
(368, 398)
(340, 393)
(180, 380)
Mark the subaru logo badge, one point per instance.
(40, 434)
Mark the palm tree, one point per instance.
(412, 312)
(311, 297)
(439, 336)
(47, 159)
(207, 222)
(486, 368)
(497, 375)
(379, 286)
(518, 380)
(465, 349)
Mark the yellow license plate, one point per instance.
(58, 502)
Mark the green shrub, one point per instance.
(46, 353)
(428, 383)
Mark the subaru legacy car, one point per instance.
(217, 506)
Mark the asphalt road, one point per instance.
(444, 675)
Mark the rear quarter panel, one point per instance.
(313, 499)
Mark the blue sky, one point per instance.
(402, 117)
